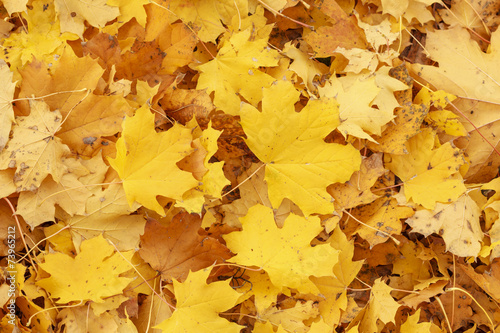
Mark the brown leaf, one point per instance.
(178, 248)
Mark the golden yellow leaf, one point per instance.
(235, 71)
(206, 15)
(91, 275)
(146, 161)
(299, 164)
(73, 14)
(285, 254)
(429, 175)
(411, 325)
(43, 39)
(198, 305)
(333, 288)
(381, 306)
(292, 319)
(7, 89)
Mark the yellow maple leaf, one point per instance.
(381, 306)
(291, 319)
(384, 215)
(7, 89)
(91, 275)
(146, 161)
(357, 191)
(131, 9)
(108, 211)
(235, 71)
(73, 14)
(299, 164)
(458, 224)
(262, 289)
(42, 40)
(38, 207)
(477, 79)
(213, 179)
(198, 305)
(206, 15)
(427, 172)
(444, 120)
(33, 150)
(412, 325)
(334, 288)
(285, 254)
(357, 114)
(453, 48)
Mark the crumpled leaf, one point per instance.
(383, 215)
(357, 191)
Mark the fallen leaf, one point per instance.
(285, 254)
(299, 164)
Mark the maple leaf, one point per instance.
(42, 40)
(285, 254)
(6, 109)
(343, 32)
(383, 214)
(69, 194)
(73, 14)
(358, 115)
(88, 116)
(107, 212)
(146, 161)
(426, 172)
(235, 71)
(477, 79)
(357, 190)
(457, 223)
(208, 15)
(198, 305)
(211, 175)
(91, 275)
(381, 306)
(264, 291)
(178, 248)
(291, 319)
(411, 325)
(299, 164)
(33, 149)
(333, 288)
